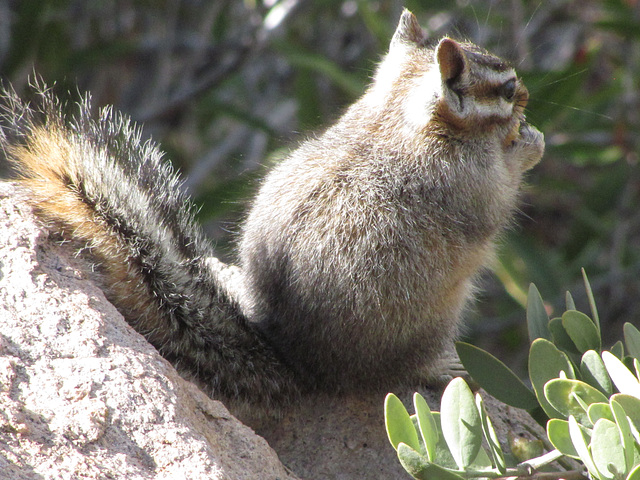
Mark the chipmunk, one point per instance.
(358, 254)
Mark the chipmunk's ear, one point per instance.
(409, 32)
(451, 60)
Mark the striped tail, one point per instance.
(98, 184)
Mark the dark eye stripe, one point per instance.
(490, 92)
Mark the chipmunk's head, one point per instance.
(456, 85)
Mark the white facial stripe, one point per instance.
(489, 75)
(498, 107)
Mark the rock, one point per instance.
(82, 395)
(345, 438)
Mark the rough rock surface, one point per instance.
(84, 396)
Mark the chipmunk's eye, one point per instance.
(508, 89)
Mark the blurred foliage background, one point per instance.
(228, 87)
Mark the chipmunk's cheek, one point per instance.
(512, 135)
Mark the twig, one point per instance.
(565, 475)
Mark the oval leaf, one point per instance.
(572, 397)
(632, 340)
(582, 330)
(400, 428)
(624, 380)
(631, 407)
(490, 436)
(595, 373)
(561, 338)
(606, 449)
(568, 300)
(537, 318)
(495, 377)
(592, 302)
(443, 455)
(482, 462)
(545, 363)
(579, 440)
(599, 410)
(634, 474)
(617, 349)
(558, 434)
(418, 466)
(412, 461)
(426, 425)
(626, 437)
(460, 422)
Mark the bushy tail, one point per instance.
(97, 183)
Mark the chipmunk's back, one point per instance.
(361, 249)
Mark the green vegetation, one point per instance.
(588, 399)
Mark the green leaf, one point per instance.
(537, 318)
(400, 428)
(626, 437)
(443, 454)
(545, 363)
(570, 397)
(482, 461)
(497, 455)
(412, 461)
(583, 332)
(632, 340)
(634, 474)
(558, 434)
(568, 300)
(561, 338)
(624, 380)
(461, 425)
(495, 377)
(599, 410)
(427, 426)
(636, 438)
(606, 449)
(580, 439)
(592, 302)
(595, 373)
(629, 362)
(631, 407)
(618, 349)
(418, 467)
